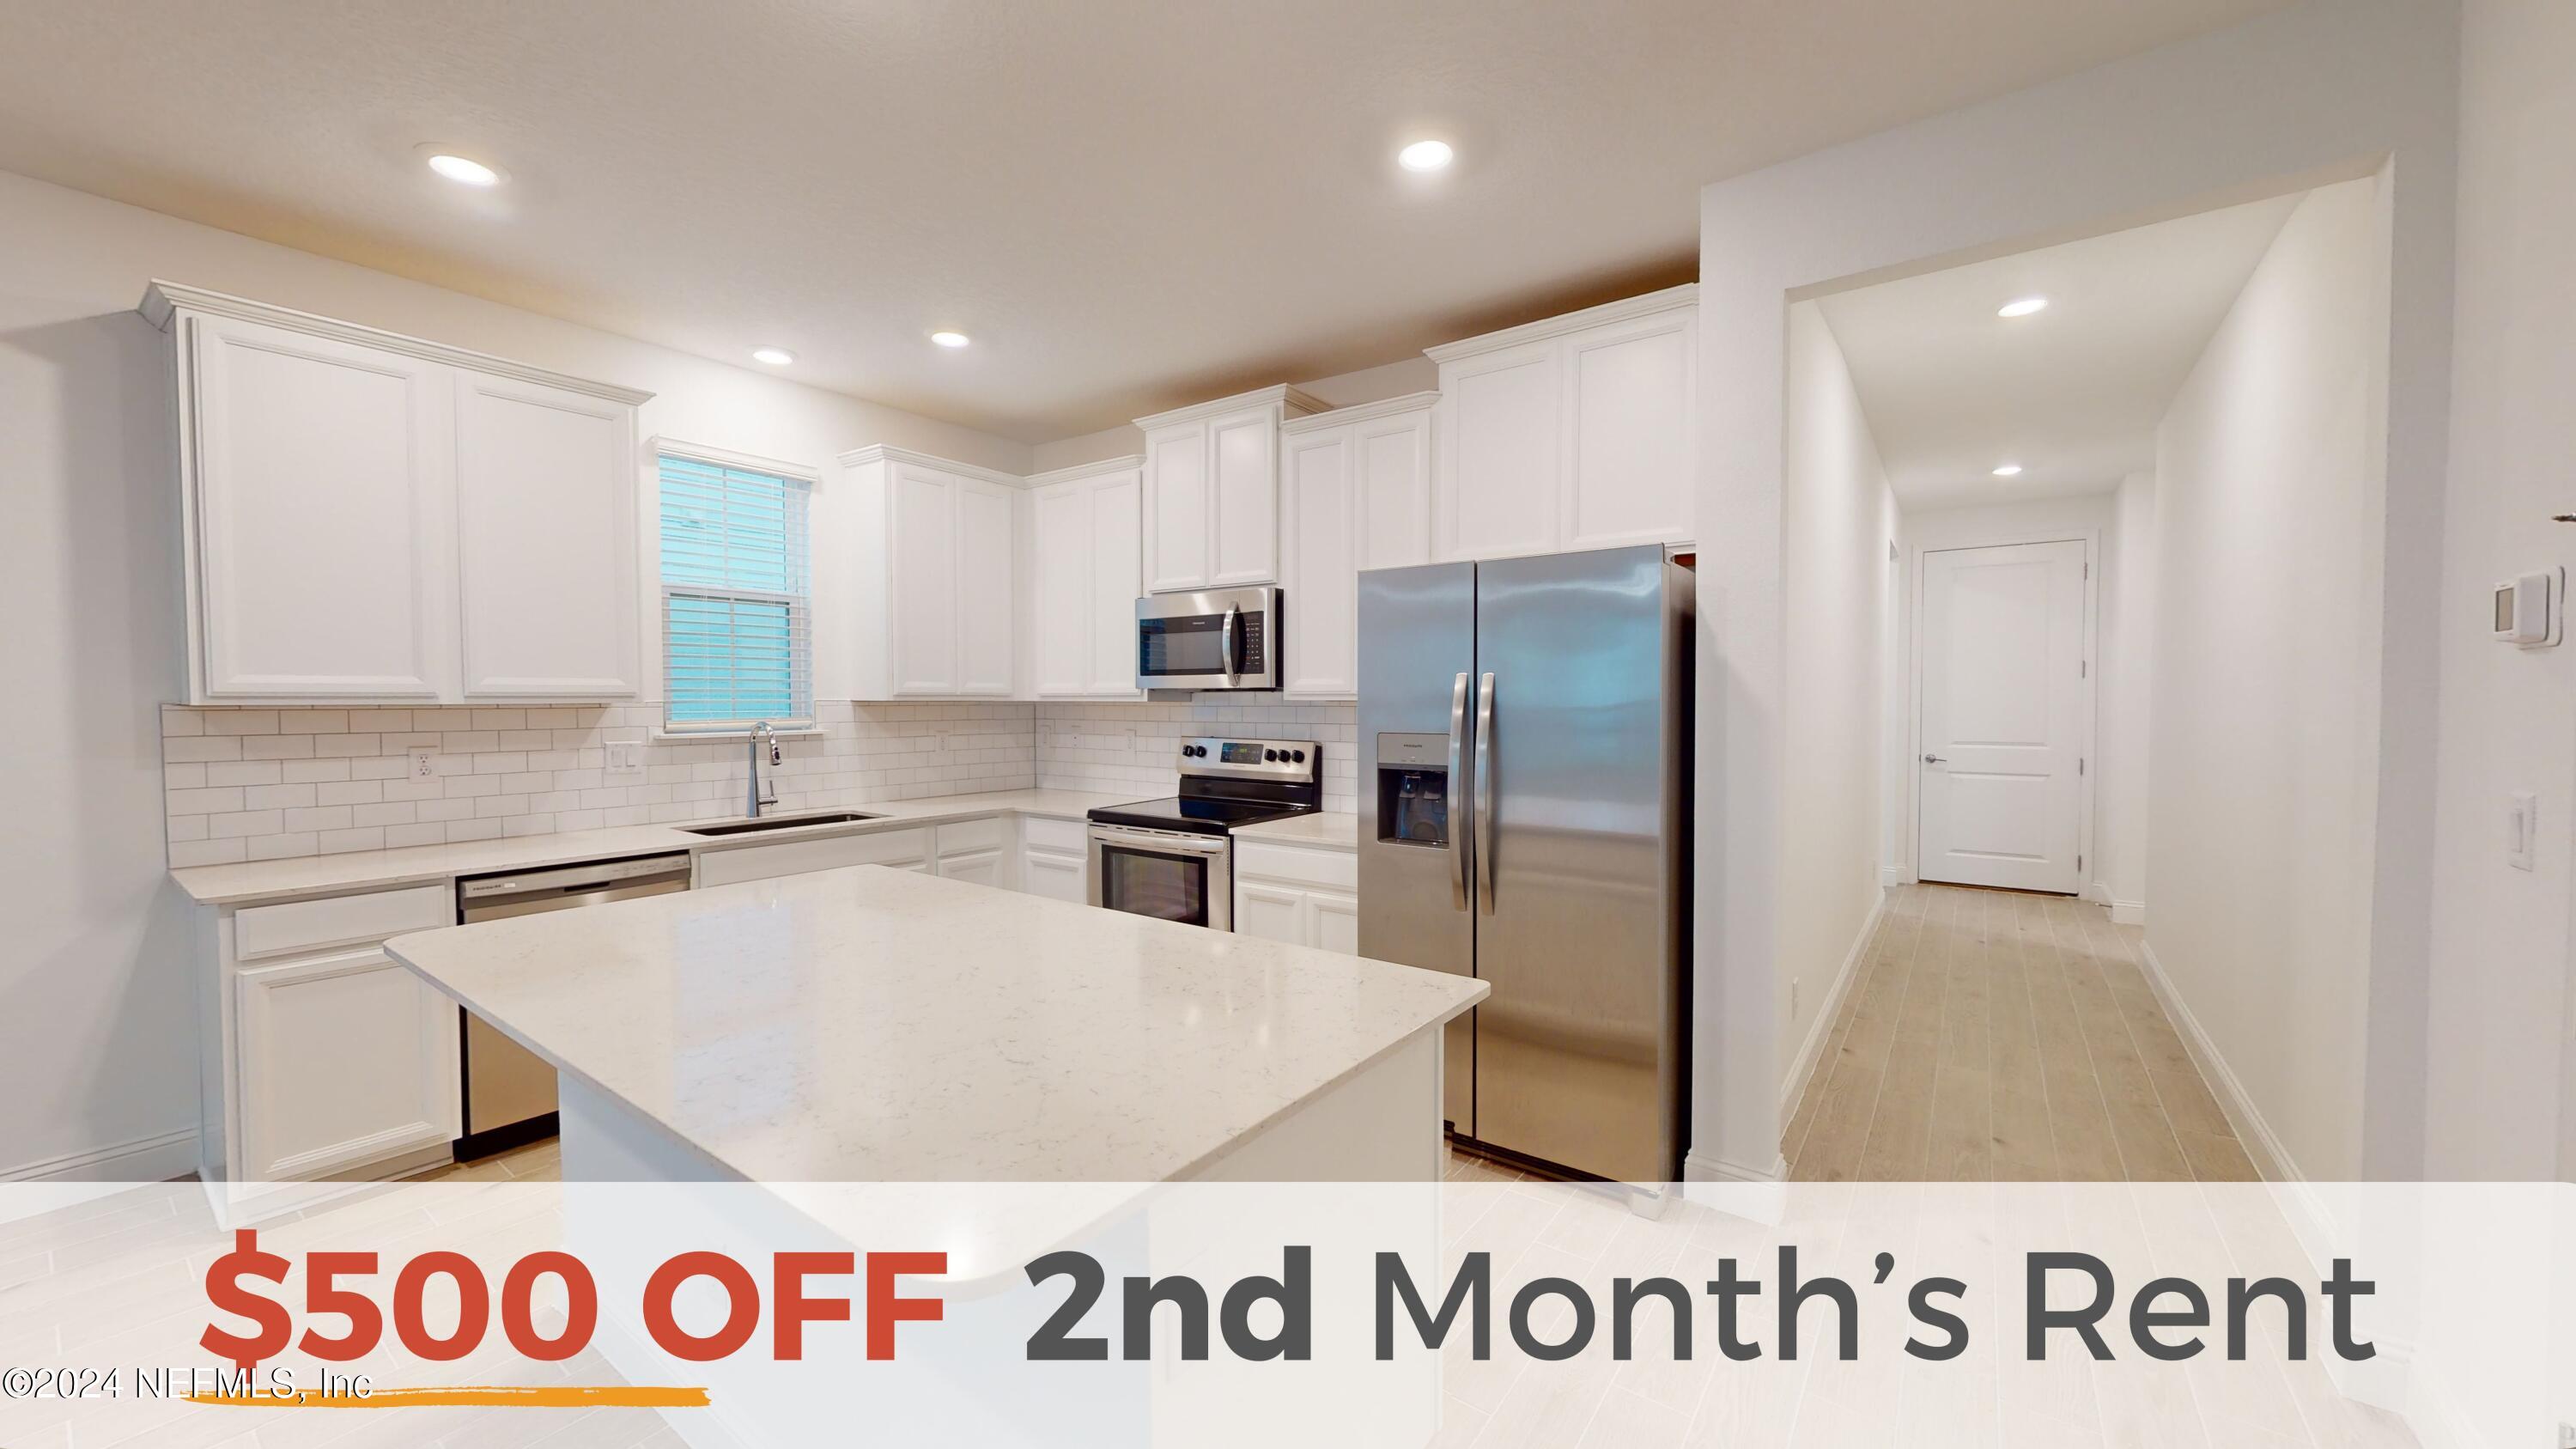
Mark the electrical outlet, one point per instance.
(1796, 985)
(424, 764)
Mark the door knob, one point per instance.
(1934, 760)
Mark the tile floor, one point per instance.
(536, 1162)
(2001, 1036)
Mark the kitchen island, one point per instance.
(874, 1025)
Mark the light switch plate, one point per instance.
(2522, 829)
(625, 760)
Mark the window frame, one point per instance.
(800, 607)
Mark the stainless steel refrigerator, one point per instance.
(1524, 806)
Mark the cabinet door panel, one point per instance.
(1243, 450)
(344, 1060)
(1318, 518)
(1269, 912)
(1393, 471)
(1500, 454)
(320, 508)
(922, 558)
(545, 534)
(901, 849)
(1055, 875)
(982, 868)
(1061, 620)
(1117, 522)
(985, 588)
(1333, 922)
(1630, 442)
(1176, 508)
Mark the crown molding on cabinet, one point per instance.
(1296, 402)
(1412, 402)
(1080, 471)
(1670, 298)
(889, 453)
(162, 300)
(728, 458)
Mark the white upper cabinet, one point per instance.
(1355, 493)
(1085, 537)
(369, 516)
(1573, 433)
(545, 541)
(937, 613)
(1211, 490)
(319, 490)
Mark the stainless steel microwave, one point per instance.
(1215, 639)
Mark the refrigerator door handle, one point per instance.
(1459, 889)
(1482, 814)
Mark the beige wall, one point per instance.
(1837, 520)
(2264, 741)
(2126, 699)
(1395, 379)
(2501, 999)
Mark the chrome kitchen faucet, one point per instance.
(760, 796)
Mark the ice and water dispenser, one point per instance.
(1413, 789)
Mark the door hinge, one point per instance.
(2088, 568)
(2079, 764)
(2079, 865)
(2084, 669)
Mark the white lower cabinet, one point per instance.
(901, 849)
(323, 1057)
(1055, 859)
(1306, 897)
(345, 1060)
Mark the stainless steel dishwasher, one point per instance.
(509, 1092)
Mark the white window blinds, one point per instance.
(737, 606)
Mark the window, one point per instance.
(737, 607)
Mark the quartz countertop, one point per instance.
(1330, 829)
(867, 1024)
(249, 882)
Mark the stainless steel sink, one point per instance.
(779, 822)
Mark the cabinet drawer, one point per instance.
(339, 920)
(961, 836)
(1056, 834)
(1334, 868)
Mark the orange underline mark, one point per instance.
(479, 1396)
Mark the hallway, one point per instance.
(1993, 1035)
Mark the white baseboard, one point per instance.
(1698, 1166)
(157, 1158)
(1803, 1066)
(2128, 913)
(1891, 876)
(2319, 1231)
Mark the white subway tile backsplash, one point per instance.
(1136, 747)
(322, 781)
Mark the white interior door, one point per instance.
(2006, 705)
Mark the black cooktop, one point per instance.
(1201, 814)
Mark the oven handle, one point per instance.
(1167, 842)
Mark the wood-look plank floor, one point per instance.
(1999, 1036)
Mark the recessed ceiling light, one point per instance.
(2022, 307)
(950, 339)
(2008, 470)
(774, 356)
(1425, 156)
(464, 170)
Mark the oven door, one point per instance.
(1219, 639)
(1172, 875)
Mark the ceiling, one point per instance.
(2073, 393)
(1128, 204)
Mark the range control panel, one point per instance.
(1293, 760)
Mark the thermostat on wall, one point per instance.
(2527, 608)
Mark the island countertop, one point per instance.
(868, 1024)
